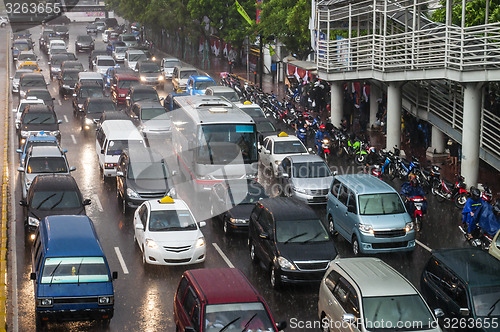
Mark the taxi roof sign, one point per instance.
(166, 200)
(248, 102)
(283, 134)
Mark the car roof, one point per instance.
(39, 108)
(121, 130)
(61, 182)
(126, 76)
(33, 75)
(365, 184)
(114, 115)
(69, 236)
(201, 78)
(178, 204)
(46, 151)
(142, 88)
(223, 285)
(310, 158)
(181, 67)
(473, 265)
(149, 104)
(374, 277)
(104, 57)
(89, 74)
(41, 138)
(220, 88)
(135, 51)
(284, 208)
(277, 138)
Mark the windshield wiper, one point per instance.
(46, 119)
(294, 237)
(78, 272)
(228, 324)
(248, 323)
(30, 121)
(492, 308)
(315, 236)
(59, 201)
(45, 200)
(53, 273)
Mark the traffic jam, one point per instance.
(151, 195)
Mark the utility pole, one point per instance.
(261, 61)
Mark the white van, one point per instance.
(111, 139)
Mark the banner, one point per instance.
(259, 3)
(242, 12)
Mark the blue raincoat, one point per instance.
(486, 220)
(471, 206)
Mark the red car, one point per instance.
(223, 299)
(120, 86)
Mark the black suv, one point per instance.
(465, 284)
(231, 202)
(93, 108)
(84, 42)
(290, 240)
(62, 31)
(38, 117)
(67, 82)
(141, 93)
(84, 90)
(142, 174)
(51, 194)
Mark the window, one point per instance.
(143, 215)
(343, 195)
(352, 201)
(377, 204)
(256, 212)
(347, 297)
(189, 302)
(267, 145)
(331, 280)
(266, 222)
(182, 289)
(335, 188)
(63, 270)
(447, 283)
(286, 166)
(195, 317)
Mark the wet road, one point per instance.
(144, 295)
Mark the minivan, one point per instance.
(210, 299)
(70, 272)
(369, 214)
(112, 138)
(180, 76)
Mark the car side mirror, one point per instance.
(264, 236)
(19, 151)
(351, 208)
(41, 70)
(23, 203)
(48, 62)
(32, 276)
(74, 94)
(161, 98)
(281, 325)
(48, 83)
(174, 173)
(438, 312)
(86, 201)
(102, 151)
(64, 150)
(464, 312)
(20, 169)
(120, 174)
(285, 175)
(127, 98)
(114, 275)
(310, 150)
(139, 227)
(72, 168)
(14, 110)
(202, 224)
(59, 121)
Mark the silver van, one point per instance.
(366, 294)
(369, 214)
(180, 76)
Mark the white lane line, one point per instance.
(54, 90)
(65, 118)
(60, 103)
(73, 138)
(95, 198)
(423, 245)
(221, 253)
(122, 262)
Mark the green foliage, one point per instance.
(475, 12)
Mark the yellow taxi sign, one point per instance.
(247, 102)
(167, 200)
(283, 134)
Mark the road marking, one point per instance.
(54, 90)
(221, 253)
(60, 103)
(122, 262)
(97, 202)
(73, 138)
(423, 245)
(65, 118)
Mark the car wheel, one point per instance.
(275, 278)
(331, 225)
(2, 25)
(253, 255)
(355, 246)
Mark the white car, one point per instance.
(119, 53)
(4, 20)
(22, 104)
(132, 57)
(103, 62)
(276, 147)
(168, 234)
(167, 65)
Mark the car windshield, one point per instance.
(146, 95)
(265, 127)
(100, 106)
(38, 81)
(137, 57)
(61, 28)
(19, 73)
(300, 231)
(26, 57)
(384, 313)
(310, 170)
(223, 143)
(128, 38)
(121, 49)
(171, 220)
(55, 200)
(57, 50)
(40, 94)
(74, 65)
(70, 76)
(58, 60)
(106, 63)
(248, 194)
(486, 301)
(38, 165)
(84, 39)
(289, 147)
(125, 84)
(91, 92)
(187, 73)
(72, 270)
(29, 66)
(21, 46)
(157, 113)
(138, 170)
(254, 112)
(202, 85)
(248, 316)
(149, 68)
(171, 63)
(39, 118)
(115, 148)
(377, 204)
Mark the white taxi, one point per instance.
(276, 147)
(168, 234)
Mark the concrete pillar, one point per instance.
(471, 132)
(336, 103)
(394, 107)
(437, 140)
(375, 94)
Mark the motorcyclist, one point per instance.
(411, 189)
(487, 218)
(320, 136)
(300, 123)
(473, 203)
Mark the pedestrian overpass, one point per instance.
(436, 71)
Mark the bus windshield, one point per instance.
(222, 143)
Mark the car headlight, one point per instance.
(365, 228)
(24, 133)
(299, 190)
(66, 86)
(151, 244)
(200, 242)
(121, 95)
(237, 221)
(44, 302)
(409, 226)
(88, 121)
(105, 300)
(54, 133)
(132, 193)
(33, 221)
(285, 264)
(80, 106)
(143, 78)
(161, 78)
(205, 177)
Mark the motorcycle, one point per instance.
(377, 171)
(445, 190)
(302, 135)
(486, 194)
(325, 149)
(418, 203)
(405, 167)
(429, 178)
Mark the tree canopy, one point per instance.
(475, 12)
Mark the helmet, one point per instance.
(300, 115)
(475, 193)
(413, 180)
(496, 207)
(322, 127)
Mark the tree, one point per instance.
(475, 12)
(288, 22)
